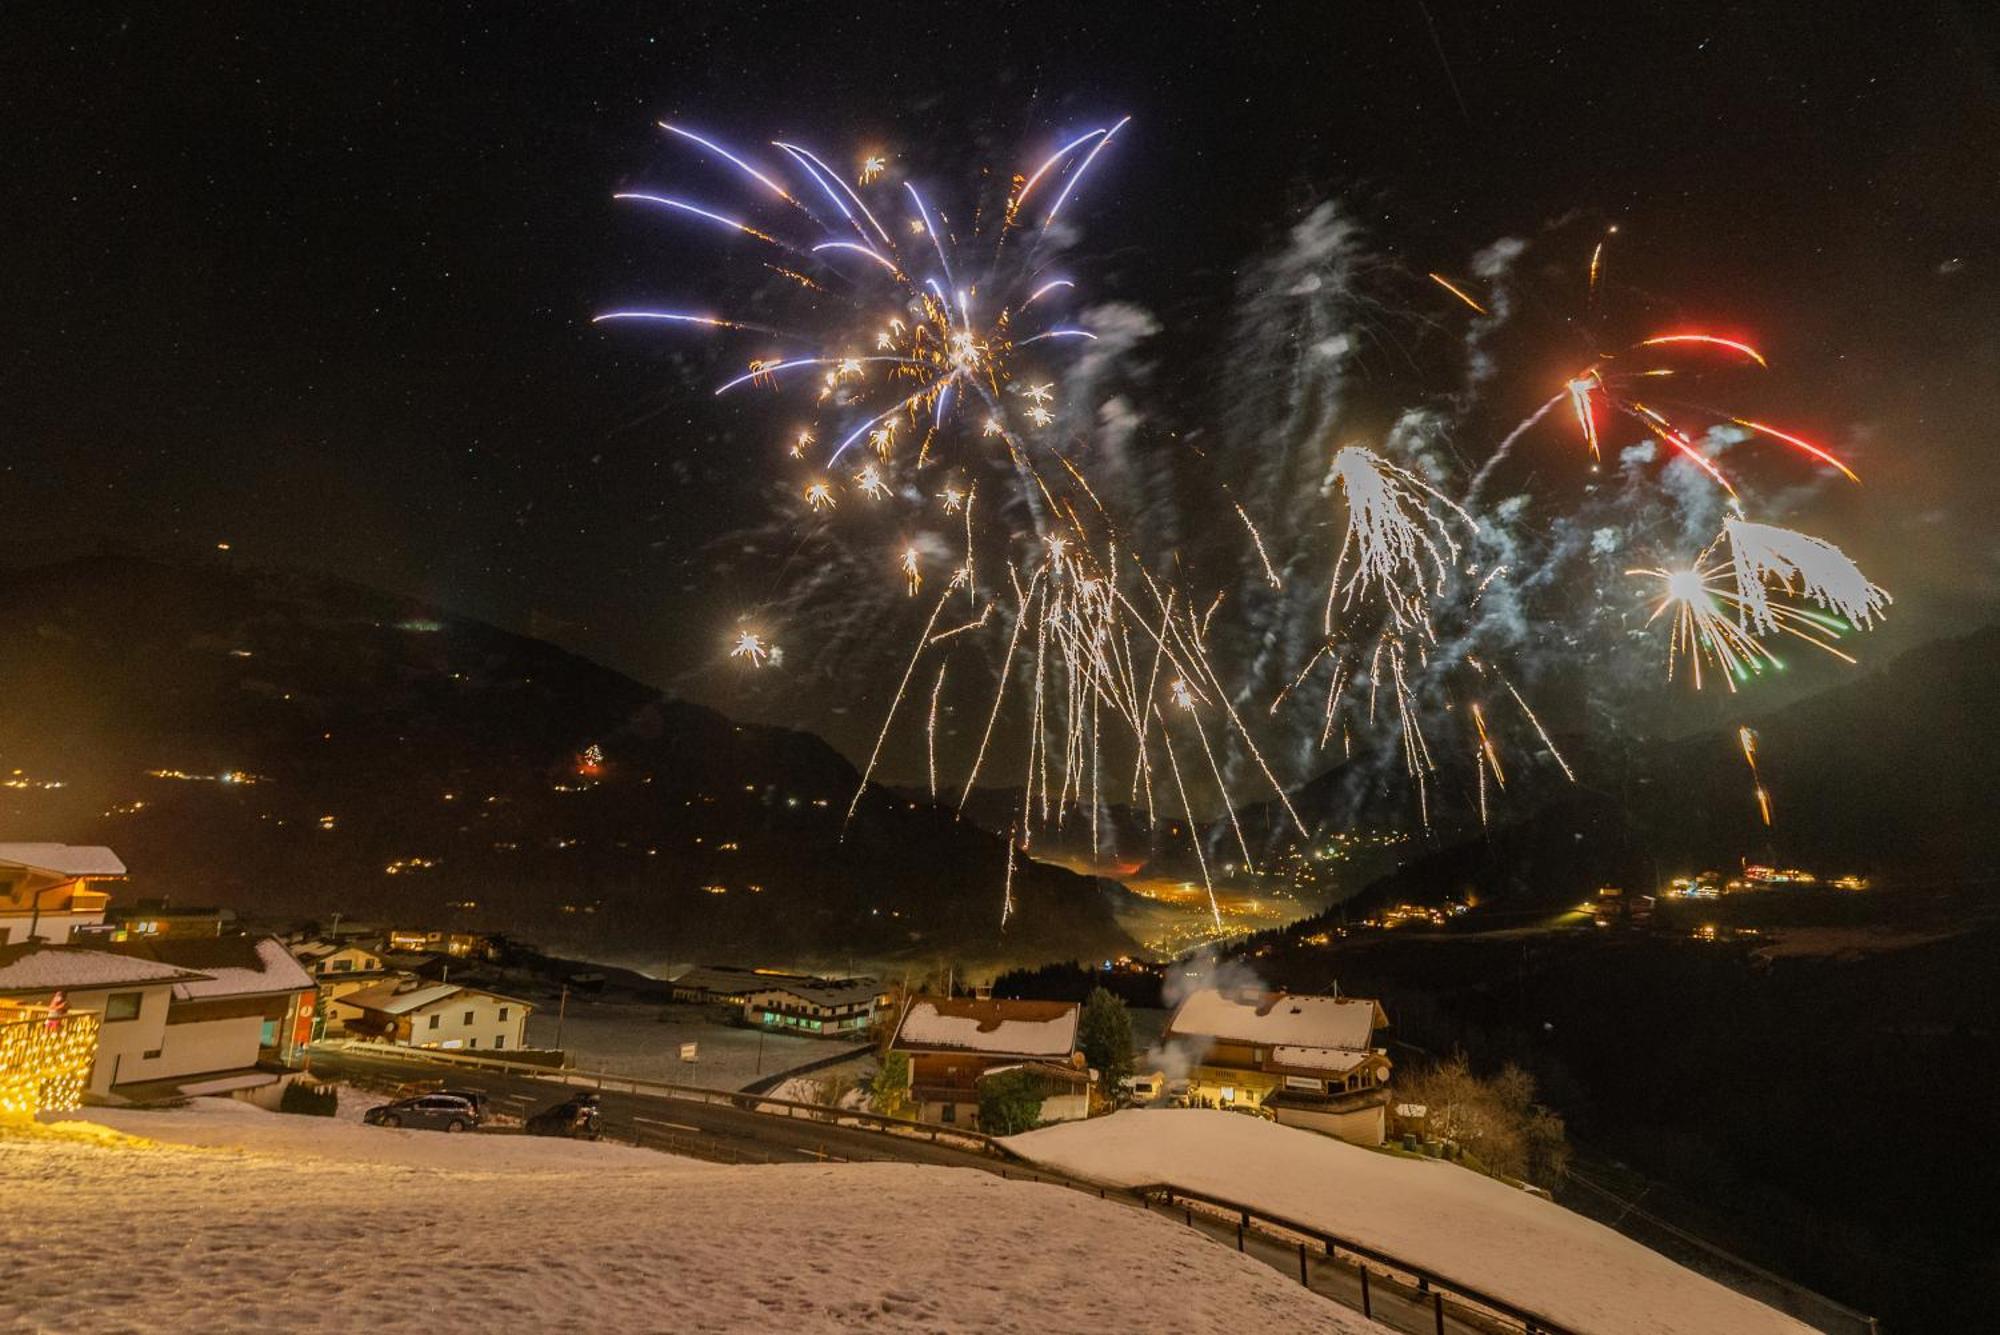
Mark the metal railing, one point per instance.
(1430, 1286)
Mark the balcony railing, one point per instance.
(45, 1058)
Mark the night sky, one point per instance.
(316, 281)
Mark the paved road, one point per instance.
(733, 1135)
(705, 1130)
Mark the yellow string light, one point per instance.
(45, 1059)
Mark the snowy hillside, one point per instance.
(1448, 1219)
(228, 1218)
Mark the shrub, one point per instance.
(889, 1093)
(1009, 1103)
(1104, 1032)
(309, 1100)
(1495, 1121)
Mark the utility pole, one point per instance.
(562, 1010)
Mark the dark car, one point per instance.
(475, 1097)
(575, 1117)
(428, 1112)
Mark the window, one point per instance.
(468, 1017)
(434, 1021)
(341, 966)
(472, 1042)
(503, 1014)
(949, 1113)
(499, 1040)
(153, 1054)
(122, 1006)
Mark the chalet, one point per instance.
(729, 984)
(843, 1009)
(250, 1013)
(338, 970)
(163, 918)
(954, 1043)
(1304, 1059)
(458, 945)
(49, 891)
(419, 1014)
(129, 996)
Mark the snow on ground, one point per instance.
(233, 1219)
(1450, 1220)
(627, 1038)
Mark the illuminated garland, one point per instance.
(45, 1059)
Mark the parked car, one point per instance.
(575, 1117)
(477, 1098)
(1144, 1087)
(428, 1112)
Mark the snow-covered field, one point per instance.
(1448, 1219)
(219, 1216)
(632, 1039)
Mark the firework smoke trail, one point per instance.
(1747, 739)
(1540, 731)
(930, 727)
(1201, 859)
(1007, 885)
(869, 771)
(1270, 574)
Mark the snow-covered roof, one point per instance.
(996, 1028)
(388, 999)
(1337, 1060)
(43, 968)
(63, 859)
(236, 966)
(1068, 1075)
(821, 994)
(1277, 1018)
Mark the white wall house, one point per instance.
(243, 1011)
(46, 890)
(340, 970)
(131, 995)
(817, 1010)
(413, 1013)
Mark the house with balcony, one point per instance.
(165, 1026)
(243, 1021)
(129, 997)
(953, 1043)
(50, 891)
(412, 1012)
(1307, 1061)
(842, 1008)
(46, 1055)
